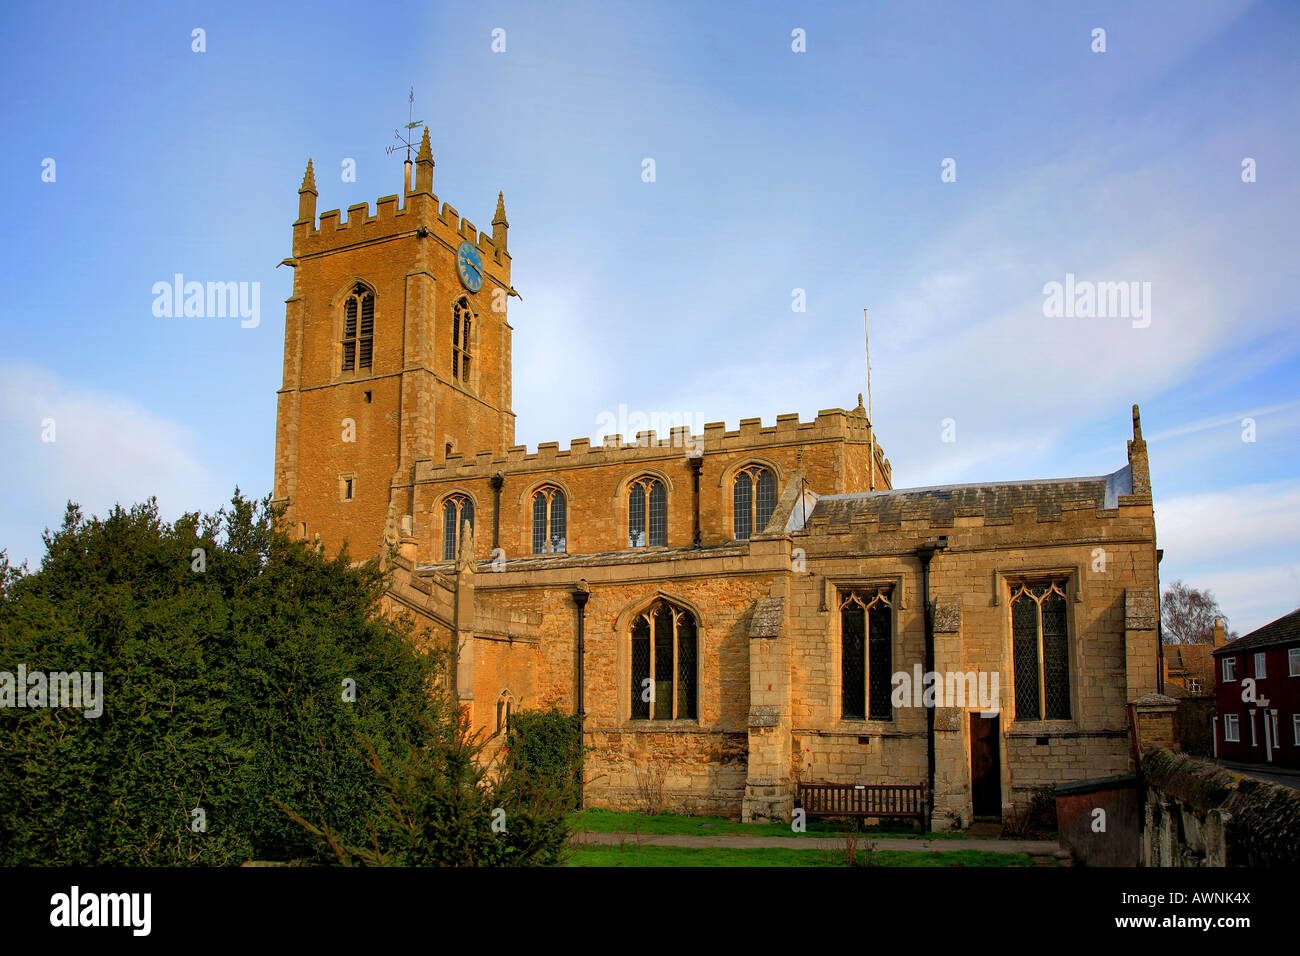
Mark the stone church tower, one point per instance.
(396, 349)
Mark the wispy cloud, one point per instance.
(1242, 543)
(973, 342)
(106, 450)
(1205, 424)
(1254, 596)
(1213, 526)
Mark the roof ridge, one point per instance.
(1283, 630)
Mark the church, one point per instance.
(734, 613)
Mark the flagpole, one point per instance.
(871, 420)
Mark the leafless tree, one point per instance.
(1187, 615)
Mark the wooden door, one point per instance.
(985, 766)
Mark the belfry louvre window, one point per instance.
(461, 320)
(358, 328)
(665, 655)
(753, 499)
(647, 513)
(1041, 651)
(866, 653)
(548, 520)
(455, 510)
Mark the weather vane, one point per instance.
(412, 125)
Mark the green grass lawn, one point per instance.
(612, 821)
(630, 854)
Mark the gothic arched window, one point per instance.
(647, 513)
(866, 654)
(505, 707)
(461, 321)
(549, 520)
(753, 500)
(1040, 651)
(358, 328)
(455, 511)
(665, 655)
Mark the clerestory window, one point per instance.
(753, 499)
(647, 513)
(456, 510)
(549, 519)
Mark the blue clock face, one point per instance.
(469, 265)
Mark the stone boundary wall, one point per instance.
(1197, 813)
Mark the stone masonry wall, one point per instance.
(1199, 814)
(699, 763)
(972, 580)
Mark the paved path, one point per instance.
(738, 841)
(1264, 771)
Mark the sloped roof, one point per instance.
(993, 499)
(1285, 630)
(1192, 658)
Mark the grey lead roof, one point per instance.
(991, 499)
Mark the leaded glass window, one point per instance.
(647, 513)
(753, 500)
(866, 653)
(456, 510)
(548, 520)
(665, 664)
(641, 668)
(1040, 651)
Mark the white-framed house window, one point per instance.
(1260, 658)
(1229, 668)
(1232, 728)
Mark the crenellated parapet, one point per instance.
(332, 231)
(420, 215)
(751, 437)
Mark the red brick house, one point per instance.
(1257, 688)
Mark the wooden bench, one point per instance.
(862, 800)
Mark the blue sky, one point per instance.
(775, 171)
